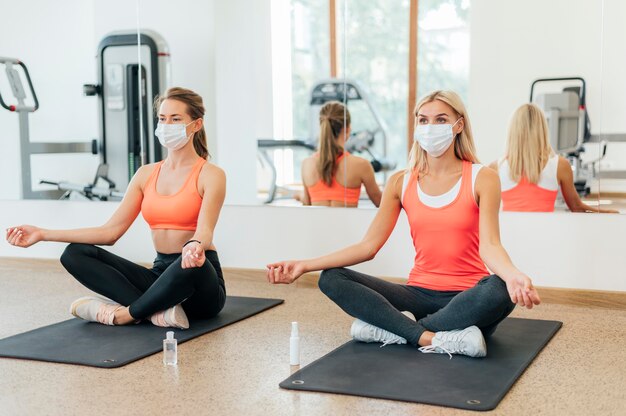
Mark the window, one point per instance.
(443, 46)
(372, 47)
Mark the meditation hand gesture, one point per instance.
(285, 271)
(522, 291)
(192, 255)
(24, 235)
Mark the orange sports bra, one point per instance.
(336, 191)
(178, 211)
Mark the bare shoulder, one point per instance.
(357, 160)
(311, 160)
(494, 165)
(487, 178)
(146, 170)
(143, 173)
(564, 163)
(564, 170)
(360, 165)
(396, 180)
(212, 172)
(398, 176)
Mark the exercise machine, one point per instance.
(93, 191)
(569, 125)
(26, 102)
(128, 82)
(129, 79)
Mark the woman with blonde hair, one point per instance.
(531, 173)
(450, 302)
(332, 176)
(180, 198)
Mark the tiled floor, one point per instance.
(236, 370)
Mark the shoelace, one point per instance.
(106, 313)
(429, 349)
(389, 341)
(158, 319)
(392, 340)
(377, 334)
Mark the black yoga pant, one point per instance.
(201, 290)
(380, 303)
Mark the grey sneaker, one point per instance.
(468, 341)
(364, 332)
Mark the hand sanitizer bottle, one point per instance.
(170, 349)
(294, 345)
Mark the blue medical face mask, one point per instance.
(172, 136)
(434, 138)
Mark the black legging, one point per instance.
(380, 303)
(201, 290)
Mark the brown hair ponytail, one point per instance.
(333, 117)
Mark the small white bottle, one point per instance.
(170, 349)
(294, 345)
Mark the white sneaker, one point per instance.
(174, 317)
(364, 332)
(468, 341)
(95, 309)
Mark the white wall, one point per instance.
(583, 251)
(515, 42)
(243, 77)
(56, 42)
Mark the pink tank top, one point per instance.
(529, 197)
(445, 239)
(336, 191)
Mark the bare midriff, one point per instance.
(171, 241)
(336, 204)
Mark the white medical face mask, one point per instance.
(434, 138)
(172, 136)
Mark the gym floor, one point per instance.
(236, 370)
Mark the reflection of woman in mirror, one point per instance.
(452, 205)
(332, 176)
(180, 198)
(531, 172)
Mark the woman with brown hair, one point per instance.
(180, 198)
(451, 300)
(332, 176)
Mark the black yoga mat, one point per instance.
(401, 372)
(87, 343)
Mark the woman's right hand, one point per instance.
(24, 235)
(285, 271)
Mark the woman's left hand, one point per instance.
(522, 291)
(192, 256)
